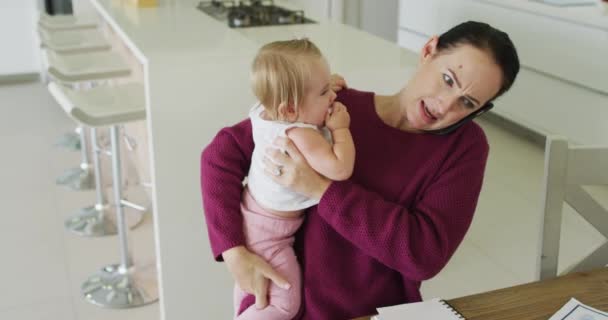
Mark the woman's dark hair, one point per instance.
(484, 37)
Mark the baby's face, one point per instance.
(319, 97)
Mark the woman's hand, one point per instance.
(337, 82)
(291, 170)
(252, 273)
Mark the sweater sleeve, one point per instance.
(417, 241)
(224, 164)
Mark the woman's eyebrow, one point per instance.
(459, 86)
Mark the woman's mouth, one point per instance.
(427, 116)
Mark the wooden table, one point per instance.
(536, 300)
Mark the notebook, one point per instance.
(435, 309)
(575, 310)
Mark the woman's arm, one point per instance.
(224, 164)
(416, 241)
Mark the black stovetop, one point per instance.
(242, 14)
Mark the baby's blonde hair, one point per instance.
(280, 73)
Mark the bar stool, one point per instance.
(74, 69)
(70, 34)
(73, 41)
(66, 22)
(82, 70)
(117, 285)
(87, 67)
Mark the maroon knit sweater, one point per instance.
(373, 238)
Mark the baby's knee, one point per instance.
(288, 303)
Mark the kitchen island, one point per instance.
(196, 77)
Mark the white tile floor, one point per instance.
(43, 266)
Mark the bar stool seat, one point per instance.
(102, 106)
(74, 41)
(87, 66)
(66, 22)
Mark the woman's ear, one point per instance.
(287, 112)
(429, 49)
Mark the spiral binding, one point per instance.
(452, 310)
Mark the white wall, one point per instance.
(379, 17)
(19, 53)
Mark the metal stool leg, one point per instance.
(120, 286)
(91, 221)
(80, 178)
(98, 220)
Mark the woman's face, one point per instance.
(448, 86)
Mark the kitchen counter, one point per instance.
(196, 75)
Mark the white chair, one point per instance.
(567, 169)
(117, 285)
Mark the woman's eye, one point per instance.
(468, 103)
(324, 92)
(448, 80)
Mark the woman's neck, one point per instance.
(391, 112)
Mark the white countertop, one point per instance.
(197, 72)
(590, 15)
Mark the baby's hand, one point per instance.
(338, 117)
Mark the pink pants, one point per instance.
(271, 237)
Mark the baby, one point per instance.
(291, 80)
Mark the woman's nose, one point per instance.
(447, 103)
(333, 96)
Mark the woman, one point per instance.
(373, 238)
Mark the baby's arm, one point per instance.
(335, 162)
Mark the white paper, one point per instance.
(575, 310)
(430, 309)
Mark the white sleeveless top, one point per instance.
(262, 188)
